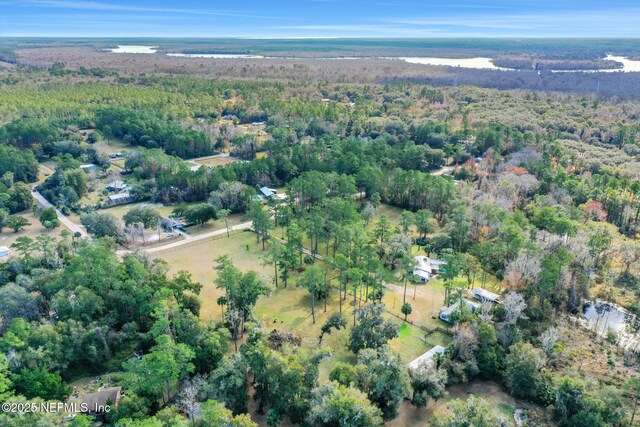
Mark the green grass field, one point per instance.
(290, 308)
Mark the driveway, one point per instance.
(190, 239)
(75, 228)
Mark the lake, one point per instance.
(628, 65)
(134, 49)
(477, 63)
(215, 55)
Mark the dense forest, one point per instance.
(537, 192)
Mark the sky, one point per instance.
(320, 18)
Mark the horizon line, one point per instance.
(537, 37)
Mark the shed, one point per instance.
(484, 295)
(268, 192)
(116, 185)
(4, 251)
(446, 312)
(426, 358)
(88, 167)
(96, 403)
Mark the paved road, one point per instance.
(75, 228)
(190, 239)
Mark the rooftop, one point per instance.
(120, 196)
(446, 311)
(116, 184)
(484, 294)
(426, 264)
(268, 192)
(96, 401)
(426, 357)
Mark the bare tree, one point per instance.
(523, 270)
(465, 343)
(485, 312)
(188, 400)
(514, 306)
(549, 339)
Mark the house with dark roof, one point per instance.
(116, 185)
(119, 199)
(170, 224)
(99, 403)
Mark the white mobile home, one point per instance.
(484, 295)
(426, 267)
(427, 358)
(446, 312)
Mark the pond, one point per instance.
(602, 316)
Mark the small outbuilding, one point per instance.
(88, 167)
(268, 192)
(427, 358)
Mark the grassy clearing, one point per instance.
(290, 309)
(120, 211)
(45, 170)
(232, 220)
(216, 161)
(8, 237)
(113, 145)
(198, 258)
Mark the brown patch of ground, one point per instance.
(585, 354)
